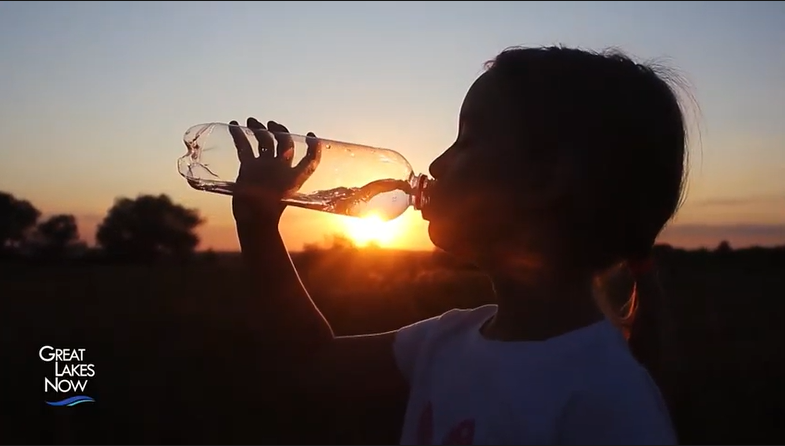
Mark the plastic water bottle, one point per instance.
(338, 177)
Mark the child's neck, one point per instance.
(535, 311)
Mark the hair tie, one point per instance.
(641, 267)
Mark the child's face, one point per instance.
(471, 203)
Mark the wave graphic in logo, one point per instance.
(72, 401)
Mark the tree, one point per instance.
(17, 218)
(57, 234)
(724, 247)
(333, 242)
(147, 228)
(341, 242)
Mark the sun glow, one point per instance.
(372, 229)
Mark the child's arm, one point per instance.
(368, 368)
(292, 335)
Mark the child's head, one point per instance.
(564, 158)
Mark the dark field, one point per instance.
(171, 367)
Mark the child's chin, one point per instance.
(441, 236)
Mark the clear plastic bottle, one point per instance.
(347, 179)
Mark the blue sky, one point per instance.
(95, 97)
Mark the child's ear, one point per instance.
(548, 183)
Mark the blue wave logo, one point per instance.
(72, 401)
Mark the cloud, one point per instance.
(693, 236)
(774, 199)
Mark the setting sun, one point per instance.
(371, 230)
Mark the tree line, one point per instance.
(142, 229)
(145, 228)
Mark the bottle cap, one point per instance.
(420, 198)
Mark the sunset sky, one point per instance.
(95, 97)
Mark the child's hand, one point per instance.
(264, 180)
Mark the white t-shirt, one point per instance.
(583, 387)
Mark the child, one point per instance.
(566, 164)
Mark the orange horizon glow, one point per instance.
(116, 129)
(373, 230)
(300, 227)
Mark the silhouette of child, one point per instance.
(567, 164)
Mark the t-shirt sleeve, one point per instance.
(620, 416)
(408, 344)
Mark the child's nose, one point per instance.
(439, 166)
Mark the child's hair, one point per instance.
(621, 124)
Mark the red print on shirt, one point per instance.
(462, 433)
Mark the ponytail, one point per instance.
(641, 270)
(645, 318)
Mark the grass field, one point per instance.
(166, 354)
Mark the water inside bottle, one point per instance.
(386, 199)
(211, 165)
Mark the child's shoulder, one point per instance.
(457, 321)
(414, 340)
(453, 319)
(467, 316)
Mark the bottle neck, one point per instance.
(420, 195)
